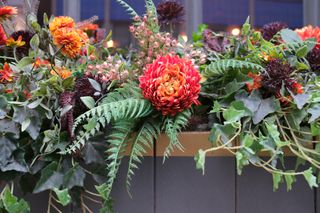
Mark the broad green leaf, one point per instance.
(277, 178)
(63, 196)
(225, 132)
(49, 179)
(88, 101)
(290, 179)
(24, 62)
(289, 36)
(95, 84)
(315, 113)
(74, 177)
(12, 204)
(310, 178)
(242, 161)
(216, 107)
(315, 129)
(200, 159)
(302, 51)
(232, 115)
(246, 27)
(266, 107)
(34, 42)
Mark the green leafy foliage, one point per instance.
(128, 8)
(11, 204)
(222, 67)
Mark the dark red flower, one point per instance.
(214, 42)
(171, 84)
(270, 30)
(26, 37)
(67, 99)
(170, 12)
(313, 58)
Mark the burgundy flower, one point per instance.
(213, 42)
(271, 29)
(170, 12)
(313, 58)
(67, 99)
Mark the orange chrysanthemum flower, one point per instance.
(309, 32)
(256, 82)
(6, 74)
(171, 84)
(84, 36)
(69, 41)
(7, 12)
(62, 72)
(61, 22)
(3, 36)
(15, 43)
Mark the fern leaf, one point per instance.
(221, 67)
(173, 126)
(145, 138)
(117, 141)
(128, 8)
(106, 113)
(128, 90)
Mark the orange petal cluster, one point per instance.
(62, 72)
(6, 74)
(7, 12)
(256, 82)
(309, 32)
(171, 84)
(67, 37)
(69, 41)
(61, 22)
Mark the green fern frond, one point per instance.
(117, 141)
(128, 8)
(128, 90)
(104, 114)
(221, 67)
(151, 7)
(173, 126)
(145, 138)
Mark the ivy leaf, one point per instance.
(225, 132)
(63, 196)
(8, 126)
(232, 115)
(310, 178)
(216, 107)
(277, 179)
(289, 36)
(290, 179)
(315, 113)
(12, 204)
(6, 151)
(88, 101)
(296, 117)
(200, 159)
(49, 179)
(25, 124)
(91, 155)
(242, 160)
(266, 107)
(300, 99)
(74, 177)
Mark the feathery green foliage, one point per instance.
(221, 67)
(145, 138)
(117, 141)
(128, 8)
(172, 127)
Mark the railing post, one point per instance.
(311, 12)
(72, 8)
(194, 15)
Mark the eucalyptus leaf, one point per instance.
(289, 36)
(88, 101)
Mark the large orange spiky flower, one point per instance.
(171, 84)
(6, 74)
(61, 22)
(69, 41)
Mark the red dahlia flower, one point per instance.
(3, 36)
(171, 84)
(310, 32)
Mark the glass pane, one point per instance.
(288, 11)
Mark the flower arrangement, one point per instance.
(68, 101)
(265, 100)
